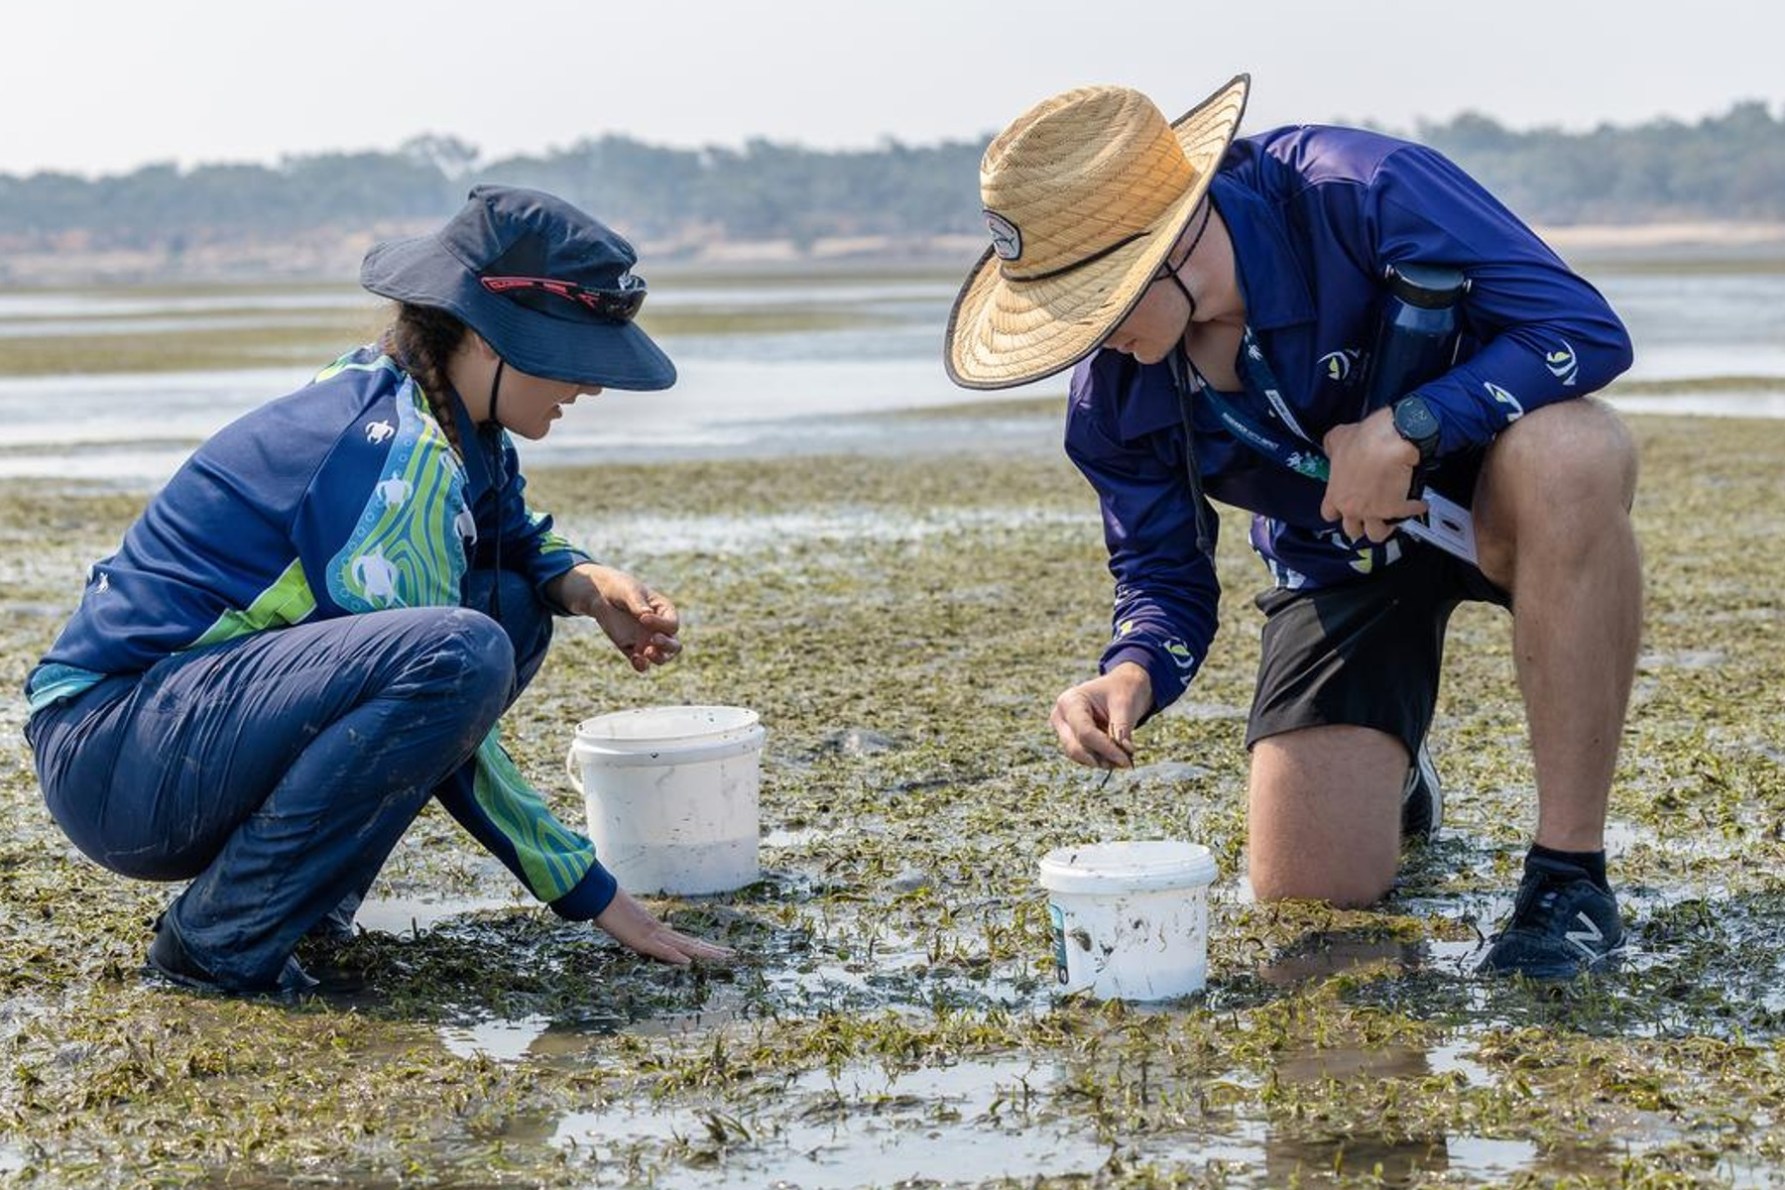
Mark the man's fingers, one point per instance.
(1083, 739)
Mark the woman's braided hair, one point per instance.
(422, 339)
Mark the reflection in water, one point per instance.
(1294, 1152)
(970, 1122)
(1324, 954)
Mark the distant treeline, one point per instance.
(1728, 167)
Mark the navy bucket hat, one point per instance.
(548, 287)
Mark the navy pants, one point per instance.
(277, 771)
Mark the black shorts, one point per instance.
(1365, 653)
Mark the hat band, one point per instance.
(1077, 264)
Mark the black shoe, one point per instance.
(169, 959)
(1422, 801)
(337, 924)
(1560, 926)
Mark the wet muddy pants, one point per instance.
(277, 771)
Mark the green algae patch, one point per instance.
(902, 626)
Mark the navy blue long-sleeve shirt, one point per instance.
(1316, 215)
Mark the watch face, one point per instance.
(1415, 422)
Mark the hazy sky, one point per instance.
(105, 86)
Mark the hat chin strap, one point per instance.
(495, 393)
(1171, 270)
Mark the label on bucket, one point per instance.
(1059, 922)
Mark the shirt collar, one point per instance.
(1271, 279)
(479, 476)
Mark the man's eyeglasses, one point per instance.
(616, 305)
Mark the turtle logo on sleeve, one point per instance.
(393, 491)
(376, 577)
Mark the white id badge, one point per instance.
(1446, 525)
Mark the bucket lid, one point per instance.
(666, 725)
(1128, 866)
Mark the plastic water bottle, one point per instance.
(1417, 337)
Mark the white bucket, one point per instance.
(1131, 919)
(671, 795)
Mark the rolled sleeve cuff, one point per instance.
(1167, 686)
(553, 567)
(591, 896)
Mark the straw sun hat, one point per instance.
(1085, 194)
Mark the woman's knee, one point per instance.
(458, 659)
(479, 655)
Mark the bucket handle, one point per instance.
(723, 747)
(570, 769)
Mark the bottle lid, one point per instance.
(1428, 286)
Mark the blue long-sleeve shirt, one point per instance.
(344, 497)
(1316, 215)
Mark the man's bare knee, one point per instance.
(1345, 890)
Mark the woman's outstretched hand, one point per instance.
(638, 929)
(641, 623)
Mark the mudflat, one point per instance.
(902, 626)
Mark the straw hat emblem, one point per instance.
(1007, 240)
(1084, 196)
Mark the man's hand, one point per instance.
(641, 623)
(636, 928)
(1095, 719)
(1372, 472)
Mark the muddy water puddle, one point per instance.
(971, 1122)
(970, 1119)
(981, 1120)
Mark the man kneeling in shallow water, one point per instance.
(1213, 297)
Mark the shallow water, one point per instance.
(749, 393)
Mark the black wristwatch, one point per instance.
(1415, 422)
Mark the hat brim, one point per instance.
(420, 270)
(1003, 332)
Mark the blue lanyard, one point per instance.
(1303, 458)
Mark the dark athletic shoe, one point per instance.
(337, 924)
(169, 959)
(1560, 927)
(1422, 801)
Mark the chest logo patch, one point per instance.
(1337, 365)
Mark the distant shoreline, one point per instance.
(333, 255)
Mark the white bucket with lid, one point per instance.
(671, 796)
(1130, 919)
